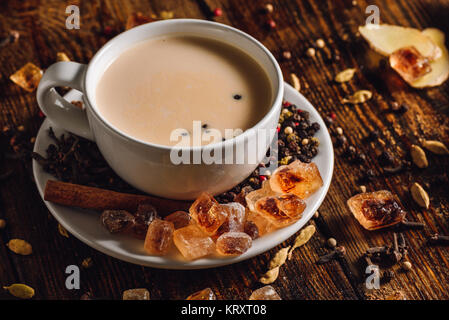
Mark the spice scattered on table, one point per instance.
(62, 231)
(345, 75)
(331, 242)
(136, 294)
(12, 37)
(376, 210)
(304, 236)
(279, 258)
(27, 77)
(320, 43)
(295, 82)
(270, 276)
(205, 294)
(218, 12)
(338, 252)
(407, 266)
(20, 290)
(62, 56)
(87, 263)
(359, 96)
(422, 60)
(269, 8)
(419, 156)
(436, 147)
(271, 24)
(311, 52)
(165, 15)
(265, 293)
(20, 246)
(287, 55)
(420, 195)
(438, 239)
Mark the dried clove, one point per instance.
(396, 255)
(368, 260)
(406, 225)
(386, 158)
(374, 135)
(400, 108)
(12, 37)
(401, 241)
(77, 160)
(336, 253)
(387, 276)
(439, 239)
(377, 250)
(395, 169)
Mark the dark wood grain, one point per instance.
(299, 23)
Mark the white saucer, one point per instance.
(85, 224)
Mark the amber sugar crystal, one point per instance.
(299, 178)
(136, 294)
(205, 294)
(159, 237)
(192, 242)
(233, 243)
(235, 218)
(376, 210)
(207, 213)
(265, 293)
(409, 63)
(144, 215)
(180, 219)
(252, 197)
(264, 225)
(281, 210)
(27, 77)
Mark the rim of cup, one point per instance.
(277, 101)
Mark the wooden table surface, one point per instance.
(299, 23)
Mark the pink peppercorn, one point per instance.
(218, 12)
(262, 178)
(107, 30)
(333, 115)
(271, 24)
(286, 104)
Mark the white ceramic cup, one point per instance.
(144, 165)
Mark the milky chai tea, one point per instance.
(169, 82)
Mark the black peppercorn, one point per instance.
(351, 151)
(341, 141)
(369, 174)
(386, 158)
(281, 143)
(361, 157)
(316, 126)
(373, 135)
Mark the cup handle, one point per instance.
(56, 108)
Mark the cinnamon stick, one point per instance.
(74, 195)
